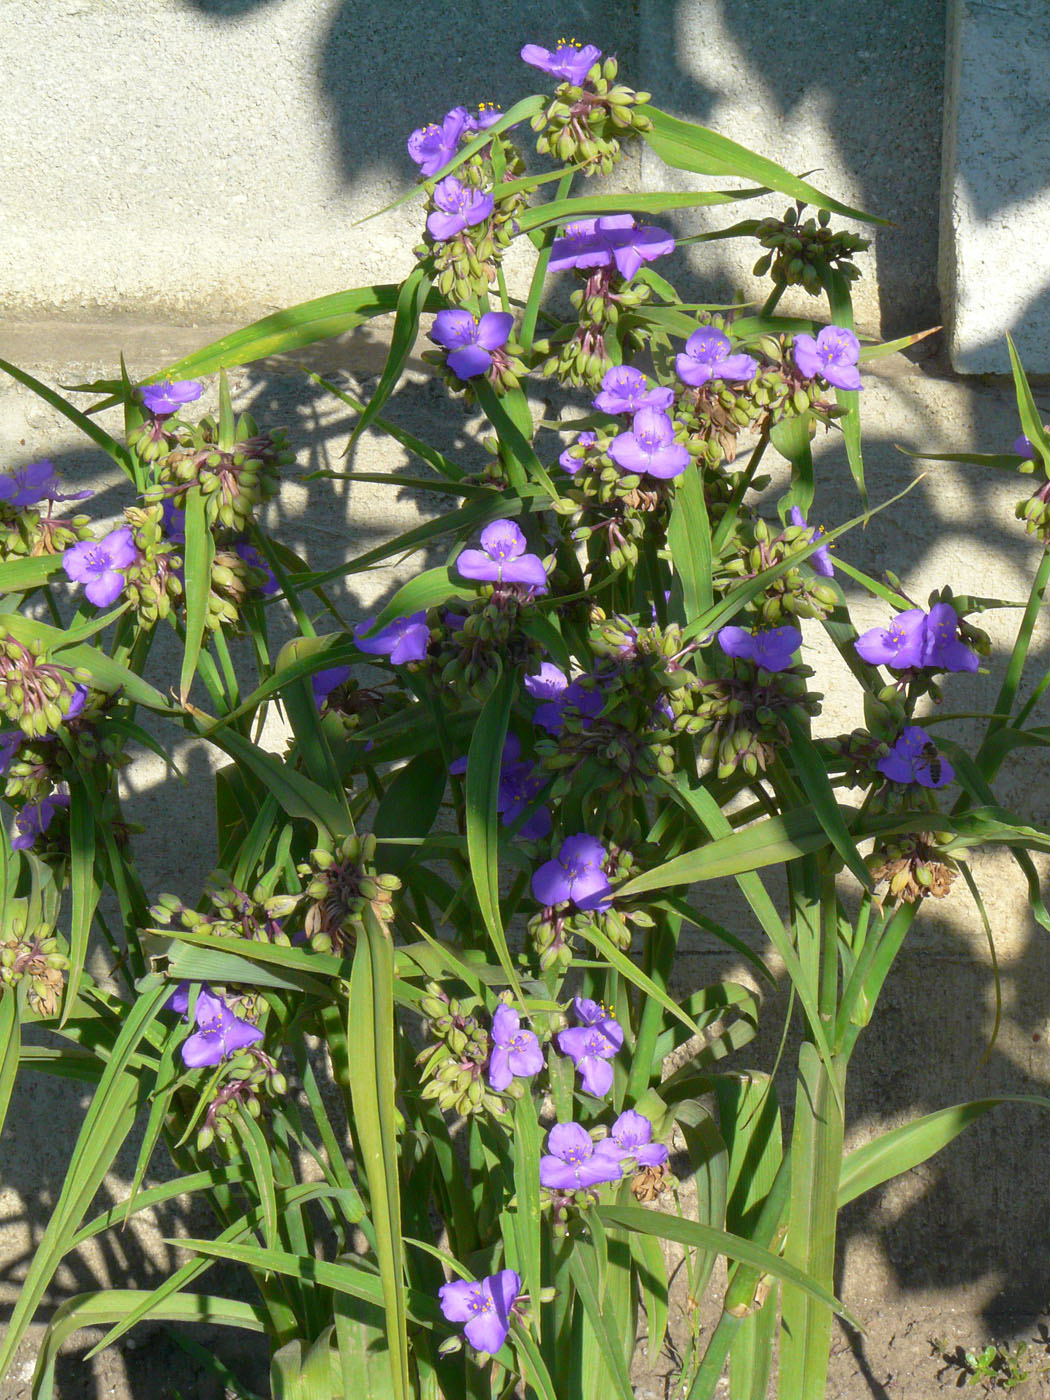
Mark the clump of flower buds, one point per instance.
(35, 694)
(913, 866)
(453, 1067)
(34, 955)
(586, 125)
(234, 480)
(341, 885)
(800, 253)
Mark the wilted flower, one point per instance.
(433, 146)
(484, 1306)
(98, 565)
(573, 1164)
(833, 356)
(570, 61)
(515, 1054)
(626, 390)
(459, 206)
(471, 341)
(820, 559)
(706, 356)
(168, 397)
(219, 1032)
(577, 875)
(631, 1136)
(1023, 447)
(914, 759)
(36, 481)
(502, 558)
(772, 649)
(650, 446)
(404, 639)
(35, 818)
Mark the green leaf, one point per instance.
(583, 1272)
(560, 211)
(410, 805)
(10, 1047)
(689, 540)
(482, 786)
(411, 299)
(297, 794)
(370, 1046)
(19, 575)
(837, 287)
(687, 146)
(791, 438)
(812, 775)
(688, 1232)
(85, 890)
(198, 555)
(427, 590)
(527, 1191)
(902, 1149)
(1031, 422)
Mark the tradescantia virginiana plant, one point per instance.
(455, 897)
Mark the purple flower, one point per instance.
(820, 559)
(459, 206)
(179, 1001)
(771, 649)
(631, 1136)
(502, 558)
(79, 700)
(404, 639)
(707, 356)
(173, 521)
(471, 341)
(570, 61)
(612, 238)
(573, 464)
(484, 1306)
(255, 560)
(914, 759)
(626, 390)
(833, 356)
(219, 1032)
(167, 397)
(943, 650)
(573, 1163)
(575, 875)
(433, 146)
(98, 565)
(590, 1048)
(548, 683)
(35, 482)
(1022, 446)
(650, 446)
(519, 786)
(35, 818)
(10, 743)
(899, 645)
(484, 115)
(516, 1053)
(324, 682)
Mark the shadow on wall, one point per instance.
(379, 81)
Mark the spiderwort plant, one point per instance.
(442, 1042)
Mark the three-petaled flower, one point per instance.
(502, 558)
(99, 565)
(572, 463)
(219, 1032)
(832, 356)
(914, 759)
(516, 1054)
(576, 875)
(771, 649)
(650, 446)
(35, 482)
(169, 396)
(433, 146)
(706, 356)
(592, 1044)
(471, 342)
(35, 818)
(404, 639)
(607, 240)
(485, 1306)
(631, 1137)
(572, 1163)
(459, 206)
(626, 390)
(916, 639)
(570, 61)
